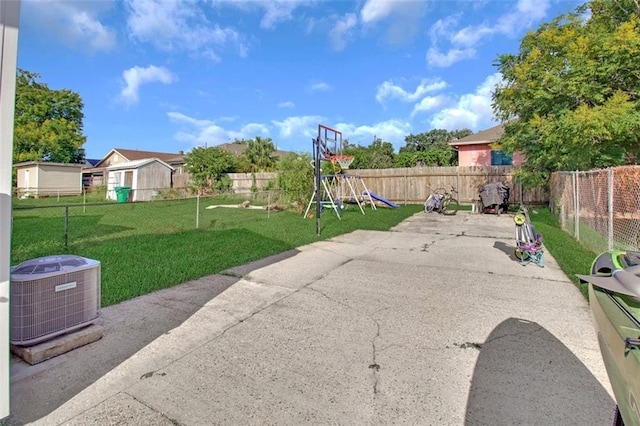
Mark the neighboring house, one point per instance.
(475, 150)
(146, 178)
(96, 175)
(41, 178)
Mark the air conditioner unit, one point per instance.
(51, 296)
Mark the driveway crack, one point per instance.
(373, 366)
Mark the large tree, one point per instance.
(208, 167)
(430, 148)
(569, 98)
(48, 123)
(378, 155)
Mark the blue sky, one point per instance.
(169, 75)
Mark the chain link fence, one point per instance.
(53, 224)
(600, 208)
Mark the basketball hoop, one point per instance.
(344, 160)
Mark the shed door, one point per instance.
(128, 178)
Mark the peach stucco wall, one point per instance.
(480, 155)
(474, 155)
(518, 158)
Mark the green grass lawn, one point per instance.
(144, 247)
(572, 257)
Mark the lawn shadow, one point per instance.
(38, 390)
(49, 233)
(525, 375)
(89, 226)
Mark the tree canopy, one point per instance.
(258, 155)
(378, 155)
(569, 98)
(208, 167)
(430, 148)
(48, 123)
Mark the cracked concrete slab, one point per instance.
(371, 327)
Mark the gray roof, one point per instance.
(137, 163)
(483, 137)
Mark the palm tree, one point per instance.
(259, 154)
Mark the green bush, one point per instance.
(296, 177)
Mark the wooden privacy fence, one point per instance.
(245, 183)
(412, 185)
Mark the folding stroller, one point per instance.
(529, 247)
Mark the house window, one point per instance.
(499, 158)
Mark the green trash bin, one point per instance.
(122, 193)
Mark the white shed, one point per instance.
(41, 179)
(146, 178)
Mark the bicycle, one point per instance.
(441, 201)
(449, 205)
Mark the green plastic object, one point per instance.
(122, 193)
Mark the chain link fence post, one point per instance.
(576, 207)
(66, 227)
(198, 211)
(610, 209)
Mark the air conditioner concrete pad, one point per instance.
(58, 345)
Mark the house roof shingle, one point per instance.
(482, 137)
(137, 163)
(134, 154)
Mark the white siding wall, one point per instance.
(63, 180)
(42, 179)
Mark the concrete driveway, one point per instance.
(434, 323)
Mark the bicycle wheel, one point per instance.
(449, 207)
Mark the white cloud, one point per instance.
(137, 76)
(319, 86)
(375, 10)
(76, 23)
(463, 42)
(437, 59)
(209, 133)
(404, 16)
(533, 9)
(342, 30)
(473, 110)
(427, 104)
(443, 29)
(389, 90)
(301, 126)
(393, 131)
(249, 131)
(275, 11)
(469, 36)
(172, 25)
(180, 117)
(286, 104)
